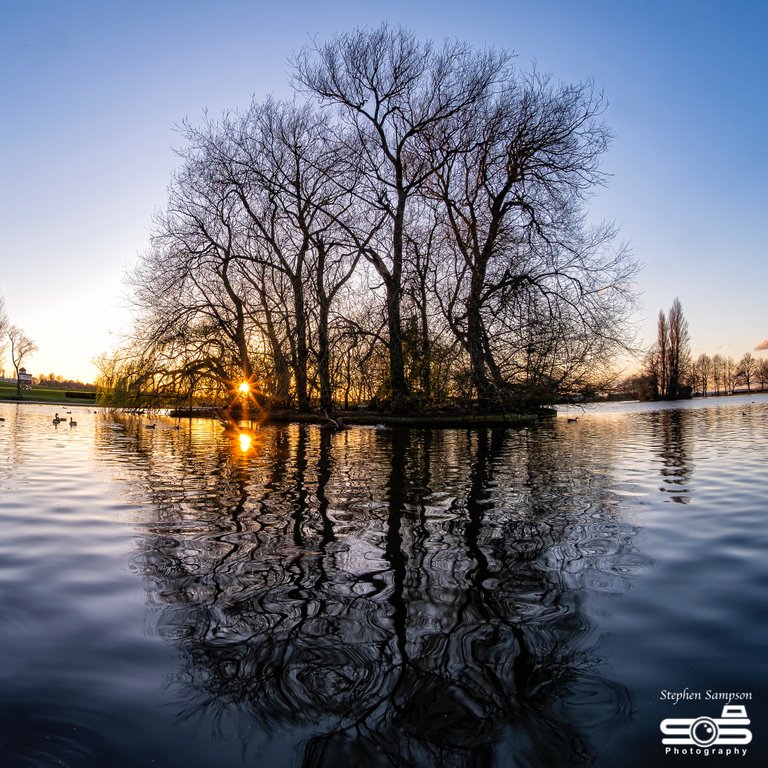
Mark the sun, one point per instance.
(245, 441)
(244, 388)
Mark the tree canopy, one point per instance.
(410, 230)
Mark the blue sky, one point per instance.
(90, 92)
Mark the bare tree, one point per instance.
(393, 92)
(20, 346)
(3, 328)
(762, 374)
(360, 362)
(679, 350)
(718, 372)
(253, 248)
(662, 355)
(702, 373)
(283, 154)
(527, 278)
(427, 239)
(670, 360)
(188, 287)
(746, 370)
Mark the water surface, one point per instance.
(510, 597)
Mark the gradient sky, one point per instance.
(90, 92)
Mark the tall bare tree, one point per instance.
(669, 362)
(661, 358)
(746, 370)
(3, 328)
(285, 171)
(702, 370)
(718, 372)
(20, 347)
(679, 350)
(189, 287)
(529, 278)
(762, 373)
(392, 92)
(420, 232)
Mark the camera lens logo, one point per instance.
(709, 732)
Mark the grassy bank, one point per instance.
(40, 395)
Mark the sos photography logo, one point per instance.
(724, 735)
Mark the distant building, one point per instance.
(25, 379)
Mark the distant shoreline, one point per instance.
(79, 402)
(57, 403)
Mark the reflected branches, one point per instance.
(403, 596)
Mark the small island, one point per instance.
(414, 247)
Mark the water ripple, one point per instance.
(461, 597)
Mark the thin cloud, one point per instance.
(762, 345)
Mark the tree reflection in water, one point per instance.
(405, 597)
(675, 468)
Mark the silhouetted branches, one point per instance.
(413, 235)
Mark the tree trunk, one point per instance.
(475, 335)
(396, 362)
(394, 294)
(300, 367)
(239, 334)
(324, 356)
(426, 349)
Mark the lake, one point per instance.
(536, 596)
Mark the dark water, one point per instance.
(519, 597)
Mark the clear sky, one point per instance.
(90, 92)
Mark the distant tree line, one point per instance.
(410, 230)
(670, 372)
(56, 381)
(718, 375)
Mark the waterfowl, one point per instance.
(335, 425)
(573, 419)
(56, 419)
(149, 426)
(72, 423)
